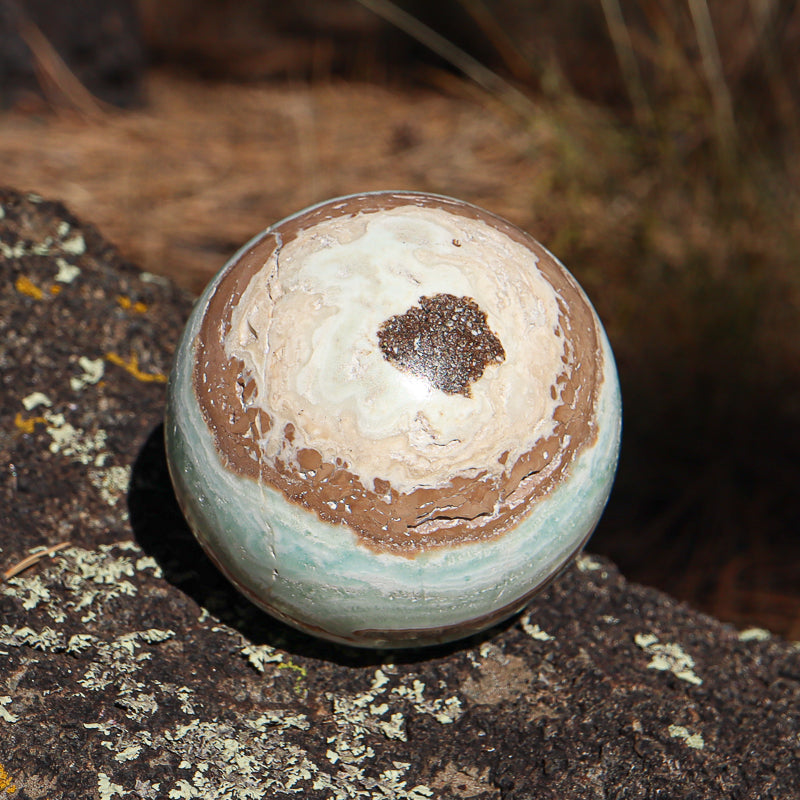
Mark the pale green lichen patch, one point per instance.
(130, 753)
(91, 373)
(75, 246)
(112, 483)
(90, 579)
(250, 760)
(138, 706)
(391, 783)
(103, 727)
(149, 277)
(114, 661)
(754, 635)
(148, 562)
(106, 788)
(444, 710)
(12, 252)
(534, 631)
(42, 248)
(376, 711)
(261, 655)
(5, 714)
(30, 590)
(693, 740)
(72, 248)
(95, 578)
(75, 443)
(151, 636)
(183, 694)
(668, 657)
(380, 711)
(66, 272)
(35, 399)
(359, 715)
(80, 642)
(586, 563)
(275, 752)
(46, 639)
(117, 667)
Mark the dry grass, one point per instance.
(684, 231)
(180, 185)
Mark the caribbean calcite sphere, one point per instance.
(392, 418)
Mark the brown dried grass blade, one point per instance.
(460, 59)
(517, 64)
(715, 78)
(628, 63)
(32, 559)
(59, 84)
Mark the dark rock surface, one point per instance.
(129, 668)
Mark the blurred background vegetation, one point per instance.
(652, 145)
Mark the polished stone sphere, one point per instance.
(392, 418)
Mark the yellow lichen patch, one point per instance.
(302, 672)
(28, 425)
(132, 366)
(262, 654)
(25, 285)
(6, 784)
(127, 304)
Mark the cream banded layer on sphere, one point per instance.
(392, 418)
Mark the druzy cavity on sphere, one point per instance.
(392, 418)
